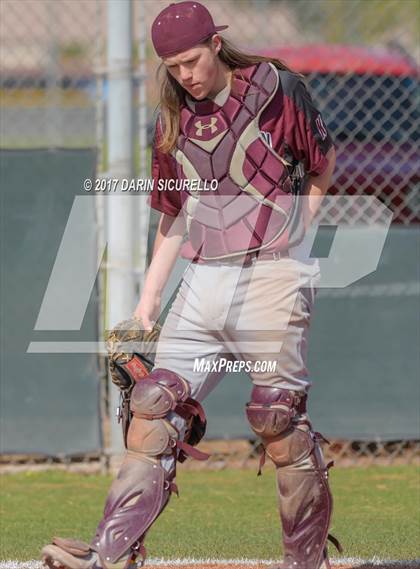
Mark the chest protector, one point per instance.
(253, 203)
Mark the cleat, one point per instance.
(57, 558)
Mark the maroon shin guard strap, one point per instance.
(191, 451)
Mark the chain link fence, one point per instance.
(236, 453)
(360, 60)
(48, 60)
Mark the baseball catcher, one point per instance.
(249, 124)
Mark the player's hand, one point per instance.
(148, 309)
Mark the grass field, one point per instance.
(228, 514)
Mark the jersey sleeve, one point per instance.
(163, 168)
(305, 131)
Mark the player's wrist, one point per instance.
(152, 291)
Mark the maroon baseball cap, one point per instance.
(182, 26)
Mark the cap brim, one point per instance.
(220, 28)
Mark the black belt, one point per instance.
(247, 259)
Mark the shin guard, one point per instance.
(143, 486)
(279, 417)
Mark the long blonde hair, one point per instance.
(172, 94)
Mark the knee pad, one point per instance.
(152, 399)
(143, 487)
(158, 394)
(270, 413)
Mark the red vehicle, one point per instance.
(368, 98)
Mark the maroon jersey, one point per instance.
(266, 109)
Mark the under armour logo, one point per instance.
(267, 137)
(200, 126)
(321, 127)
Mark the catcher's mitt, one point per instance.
(131, 352)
